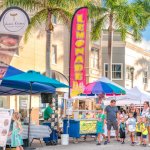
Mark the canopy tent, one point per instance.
(21, 88)
(134, 95)
(30, 78)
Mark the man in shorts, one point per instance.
(112, 115)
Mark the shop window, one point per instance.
(116, 71)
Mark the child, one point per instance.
(131, 125)
(122, 127)
(101, 120)
(144, 131)
(16, 139)
(138, 130)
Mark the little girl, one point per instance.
(101, 120)
(122, 130)
(16, 139)
(131, 126)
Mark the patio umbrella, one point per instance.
(104, 85)
(31, 77)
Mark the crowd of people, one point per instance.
(134, 122)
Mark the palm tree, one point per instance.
(44, 10)
(117, 15)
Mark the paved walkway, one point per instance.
(91, 145)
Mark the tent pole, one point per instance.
(29, 113)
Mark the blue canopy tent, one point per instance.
(19, 87)
(30, 78)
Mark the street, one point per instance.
(91, 145)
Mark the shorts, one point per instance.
(113, 124)
(138, 134)
(100, 130)
(144, 136)
(122, 135)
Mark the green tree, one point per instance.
(44, 10)
(117, 15)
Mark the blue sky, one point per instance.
(146, 33)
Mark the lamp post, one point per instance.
(132, 75)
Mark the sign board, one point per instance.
(77, 51)
(88, 126)
(69, 108)
(13, 24)
(5, 121)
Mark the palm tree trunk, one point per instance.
(48, 45)
(110, 44)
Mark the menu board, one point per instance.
(5, 121)
(88, 126)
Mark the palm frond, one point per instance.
(62, 15)
(137, 33)
(97, 28)
(36, 20)
(96, 11)
(26, 4)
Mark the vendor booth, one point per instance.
(82, 122)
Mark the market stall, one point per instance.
(82, 123)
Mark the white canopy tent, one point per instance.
(134, 95)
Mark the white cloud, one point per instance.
(144, 44)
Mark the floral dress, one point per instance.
(16, 139)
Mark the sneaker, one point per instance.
(108, 141)
(105, 143)
(148, 144)
(132, 144)
(137, 144)
(144, 145)
(98, 143)
(123, 142)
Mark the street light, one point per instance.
(132, 75)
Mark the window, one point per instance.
(95, 58)
(54, 19)
(145, 77)
(54, 54)
(116, 71)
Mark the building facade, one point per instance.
(130, 62)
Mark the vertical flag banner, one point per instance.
(77, 51)
(13, 23)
